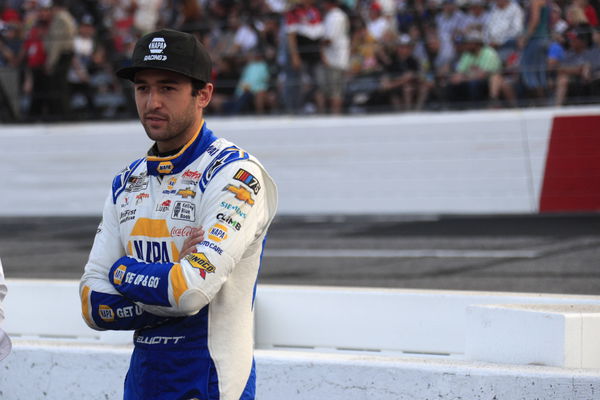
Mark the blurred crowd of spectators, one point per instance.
(57, 57)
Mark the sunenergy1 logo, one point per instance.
(150, 241)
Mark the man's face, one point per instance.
(169, 113)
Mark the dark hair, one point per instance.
(197, 85)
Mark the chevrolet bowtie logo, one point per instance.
(185, 193)
(240, 194)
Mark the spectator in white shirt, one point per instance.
(245, 38)
(378, 24)
(449, 22)
(505, 25)
(477, 16)
(336, 57)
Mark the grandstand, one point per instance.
(397, 55)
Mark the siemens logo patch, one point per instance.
(237, 209)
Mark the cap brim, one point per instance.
(129, 72)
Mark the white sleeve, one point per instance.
(234, 213)
(107, 248)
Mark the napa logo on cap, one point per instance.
(157, 46)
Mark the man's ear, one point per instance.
(204, 95)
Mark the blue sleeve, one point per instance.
(142, 282)
(115, 312)
(556, 52)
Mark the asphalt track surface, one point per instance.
(539, 254)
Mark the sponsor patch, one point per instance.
(137, 183)
(142, 280)
(237, 209)
(229, 221)
(129, 311)
(127, 215)
(185, 231)
(241, 193)
(190, 177)
(218, 233)
(106, 313)
(200, 262)
(119, 274)
(248, 179)
(165, 167)
(185, 193)
(140, 197)
(151, 241)
(99, 229)
(164, 206)
(184, 211)
(212, 150)
(212, 246)
(156, 47)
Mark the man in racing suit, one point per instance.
(189, 297)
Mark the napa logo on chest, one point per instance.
(151, 241)
(165, 167)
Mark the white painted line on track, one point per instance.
(388, 253)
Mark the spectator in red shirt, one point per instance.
(33, 53)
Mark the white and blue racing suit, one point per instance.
(193, 317)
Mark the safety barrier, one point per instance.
(509, 161)
(320, 342)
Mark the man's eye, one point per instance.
(140, 88)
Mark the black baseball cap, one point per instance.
(170, 50)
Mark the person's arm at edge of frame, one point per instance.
(5, 343)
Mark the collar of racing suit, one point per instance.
(175, 163)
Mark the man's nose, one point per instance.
(154, 100)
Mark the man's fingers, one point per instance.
(189, 245)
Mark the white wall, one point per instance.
(59, 372)
(470, 162)
(313, 343)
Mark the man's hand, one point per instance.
(189, 246)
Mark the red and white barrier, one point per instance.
(510, 161)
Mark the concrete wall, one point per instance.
(471, 162)
(59, 372)
(316, 343)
